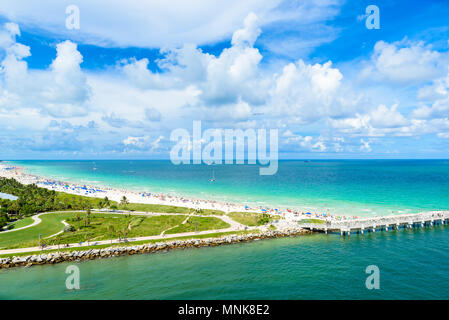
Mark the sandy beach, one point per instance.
(115, 194)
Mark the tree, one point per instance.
(125, 233)
(58, 241)
(124, 202)
(111, 231)
(14, 208)
(106, 203)
(88, 212)
(87, 237)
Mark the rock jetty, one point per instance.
(58, 257)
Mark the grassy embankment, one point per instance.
(318, 221)
(84, 248)
(20, 223)
(102, 226)
(252, 219)
(159, 208)
(201, 223)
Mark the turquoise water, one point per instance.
(413, 265)
(352, 187)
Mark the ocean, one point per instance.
(340, 187)
(412, 263)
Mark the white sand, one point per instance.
(18, 173)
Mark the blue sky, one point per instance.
(118, 86)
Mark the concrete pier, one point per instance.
(408, 221)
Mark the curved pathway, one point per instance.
(234, 226)
(36, 220)
(117, 241)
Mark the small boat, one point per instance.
(213, 176)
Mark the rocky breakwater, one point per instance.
(57, 257)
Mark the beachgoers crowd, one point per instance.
(153, 198)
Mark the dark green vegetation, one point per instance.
(252, 218)
(33, 199)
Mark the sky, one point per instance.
(134, 71)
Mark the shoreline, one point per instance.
(149, 248)
(19, 173)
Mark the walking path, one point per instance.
(36, 220)
(234, 226)
(103, 242)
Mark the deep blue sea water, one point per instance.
(352, 187)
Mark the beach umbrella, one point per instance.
(308, 213)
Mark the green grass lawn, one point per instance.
(202, 223)
(159, 208)
(208, 212)
(96, 230)
(201, 236)
(69, 198)
(132, 225)
(250, 218)
(51, 224)
(318, 221)
(21, 223)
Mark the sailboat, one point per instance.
(213, 176)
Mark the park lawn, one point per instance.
(103, 246)
(98, 228)
(251, 218)
(69, 199)
(208, 212)
(51, 224)
(202, 223)
(160, 208)
(317, 221)
(21, 223)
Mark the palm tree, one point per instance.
(124, 201)
(88, 212)
(87, 237)
(111, 231)
(58, 241)
(125, 233)
(106, 203)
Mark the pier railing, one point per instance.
(381, 222)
